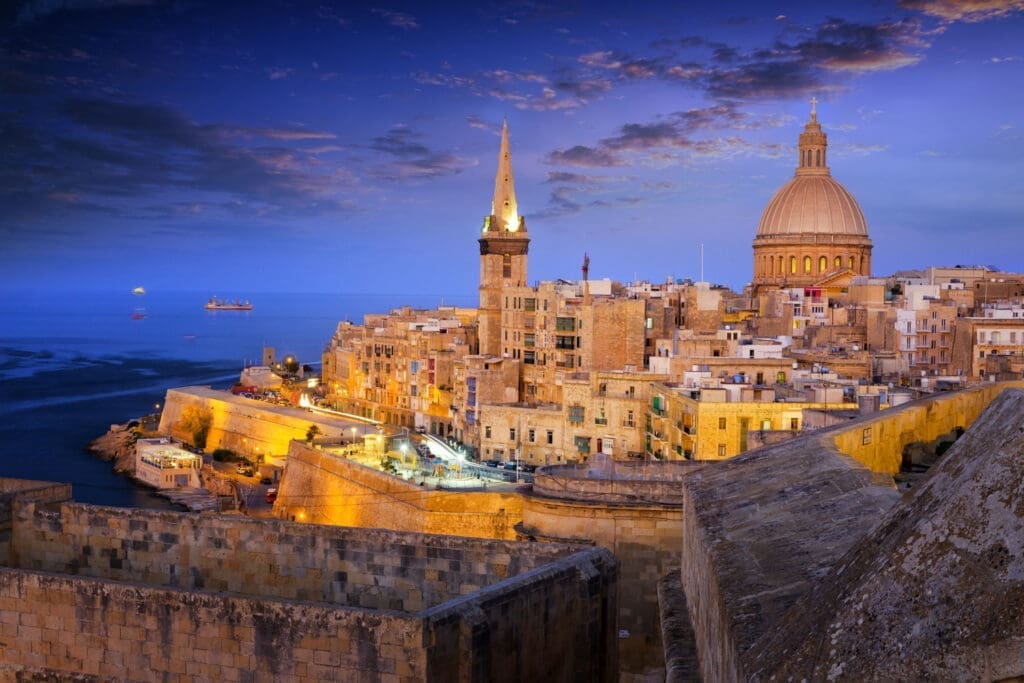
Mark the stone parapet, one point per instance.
(326, 489)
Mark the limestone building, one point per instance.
(812, 228)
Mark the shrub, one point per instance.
(226, 455)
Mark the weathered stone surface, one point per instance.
(758, 530)
(121, 594)
(936, 592)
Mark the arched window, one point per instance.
(792, 264)
(781, 270)
(839, 262)
(818, 160)
(851, 264)
(807, 264)
(822, 264)
(506, 265)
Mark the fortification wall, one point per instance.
(327, 489)
(877, 442)
(68, 626)
(366, 568)
(642, 529)
(556, 623)
(760, 530)
(159, 595)
(243, 425)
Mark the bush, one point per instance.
(226, 455)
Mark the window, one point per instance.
(822, 264)
(582, 444)
(766, 425)
(512, 434)
(529, 305)
(721, 450)
(487, 432)
(551, 437)
(807, 264)
(839, 262)
(506, 265)
(721, 423)
(576, 414)
(629, 419)
(530, 434)
(794, 423)
(792, 265)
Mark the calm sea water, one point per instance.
(72, 364)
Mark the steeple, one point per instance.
(504, 211)
(813, 145)
(504, 248)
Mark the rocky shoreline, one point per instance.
(118, 446)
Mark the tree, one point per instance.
(195, 421)
(312, 433)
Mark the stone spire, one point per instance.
(504, 212)
(813, 145)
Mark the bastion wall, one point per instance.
(326, 489)
(136, 595)
(760, 531)
(633, 510)
(246, 426)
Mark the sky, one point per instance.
(351, 147)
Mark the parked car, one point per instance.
(510, 466)
(529, 468)
(492, 463)
(271, 495)
(245, 470)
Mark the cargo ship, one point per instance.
(215, 304)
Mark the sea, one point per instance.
(74, 363)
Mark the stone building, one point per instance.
(997, 331)
(812, 228)
(399, 367)
(718, 420)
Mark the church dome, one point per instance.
(812, 230)
(812, 204)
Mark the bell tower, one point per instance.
(503, 249)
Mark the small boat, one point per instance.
(215, 304)
(138, 314)
(139, 291)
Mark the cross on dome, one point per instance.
(814, 111)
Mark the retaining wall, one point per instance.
(327, 489)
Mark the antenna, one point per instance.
(702, 262)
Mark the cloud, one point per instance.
(413, 159)
(276, 74)
(110, 155)
(397, 19)
(661, 142)
(581, 155)
(970, 11)
(480, 124)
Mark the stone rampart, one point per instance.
(246, 426)
(327, 489)
(761, 530)
(122, 594)
(635, 511)
(877, 442)
(361, 568)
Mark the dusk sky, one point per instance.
(351, 147)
